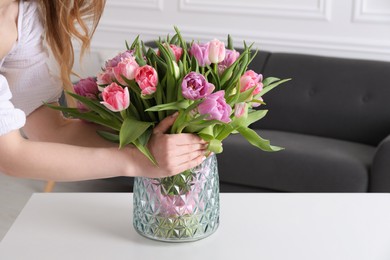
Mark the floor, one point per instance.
(14, 194)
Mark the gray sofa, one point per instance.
(333, 119)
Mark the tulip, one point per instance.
(217, 51)
(126, 68)
(215, 107)
(230, 57)
(146, 78)
(115, 98)
(195, 86)
(87, 88)
(240, 109)
(201, 53)
(118, 58)
(249, 80)
(105, 77)
(177, 51)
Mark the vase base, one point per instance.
(178, 240)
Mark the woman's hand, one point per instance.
(174, 153)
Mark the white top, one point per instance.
(24, 72)
(271, 226)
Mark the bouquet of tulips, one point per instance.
(208, 84)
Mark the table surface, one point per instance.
(252, 226)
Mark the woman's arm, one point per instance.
(60, 149)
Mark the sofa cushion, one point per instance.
(308, 163)
(332, 97)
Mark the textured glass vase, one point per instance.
(181, 208)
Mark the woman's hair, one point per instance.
(67, 19)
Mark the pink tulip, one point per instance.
(105, 77)
(251, 79)
(177, 50)
(217, 51)
(195, 86)
(146, 77)
(201, 53)
(115, 98)
(125, 68)
(216, 107)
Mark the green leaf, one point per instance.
(272, 86)
(182, 41)
(215, 146)
(253, 138)
(95, 106)
(143, 149)
(177, 105)
(131, 130)
(135, 43)
(109, 136)
(254, 116)
(207, 133)
(244, 96)
(270, 80)
(230, 42)
(87, 116)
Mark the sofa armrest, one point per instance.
(380, 168)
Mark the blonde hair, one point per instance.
(67, 19)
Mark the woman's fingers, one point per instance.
(180, 150)
(184, 139)
(188, 164)
(165, 124)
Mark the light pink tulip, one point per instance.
(115, 98)
(126, 68)
(146, 77)
(217, 51)
(216, 107)
(240, 109)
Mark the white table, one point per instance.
(252, 226)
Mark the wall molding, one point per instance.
(138, 4)
(321, 10)
(312, 44)
(362, 13)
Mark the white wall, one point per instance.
(343, 28)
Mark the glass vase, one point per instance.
(180, 208)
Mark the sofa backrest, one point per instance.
(332, 97)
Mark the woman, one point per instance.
(56, 148)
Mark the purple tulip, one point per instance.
(216, 107)
(87, 88)
(201, 53)
(195, 86)
(230, 57)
